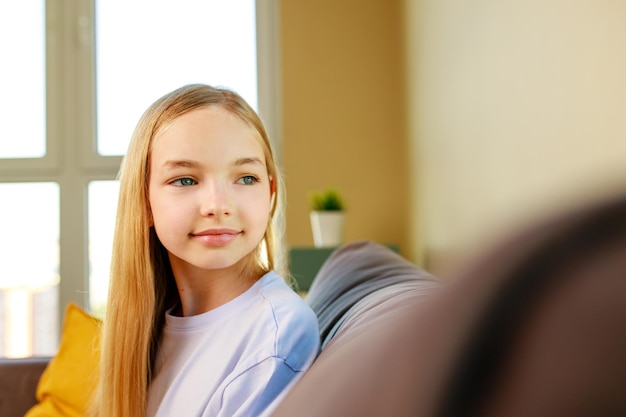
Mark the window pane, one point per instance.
(22, 79)
(29, 272)
(146, 48)
(102, 197)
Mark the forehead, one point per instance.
(207, 131)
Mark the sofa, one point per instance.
(533, 326)
(18, 382)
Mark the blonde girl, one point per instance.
(198, 321)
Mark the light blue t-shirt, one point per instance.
(237, 359)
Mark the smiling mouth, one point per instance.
(216, 237)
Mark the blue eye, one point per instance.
(183, 182)
(247, 180)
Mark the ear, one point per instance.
(272, 186)
(272, 195)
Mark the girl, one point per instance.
(199, 323)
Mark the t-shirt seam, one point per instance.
(248, 369)
(261, 291)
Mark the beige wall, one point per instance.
(515, 109)
(343, 115)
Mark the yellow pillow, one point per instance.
(68, 382)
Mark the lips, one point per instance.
(216, 237)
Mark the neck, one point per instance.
(204, 290)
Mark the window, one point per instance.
(87, 70)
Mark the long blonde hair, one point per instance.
(142, 286)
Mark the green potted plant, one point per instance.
(327, 218)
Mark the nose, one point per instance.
(215, 199)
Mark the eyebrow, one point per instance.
(183, 163)
(188, 163)
(248, 161)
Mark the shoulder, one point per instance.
(295, 326)
(287, 307)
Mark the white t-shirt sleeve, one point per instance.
(253, 392)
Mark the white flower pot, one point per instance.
(328, 228)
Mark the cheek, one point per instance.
(164, 214)
(257, 210)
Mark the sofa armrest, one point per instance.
(18, 383)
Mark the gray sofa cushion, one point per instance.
(358, 276)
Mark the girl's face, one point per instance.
(209, 190)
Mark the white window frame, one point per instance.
(71, 159)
